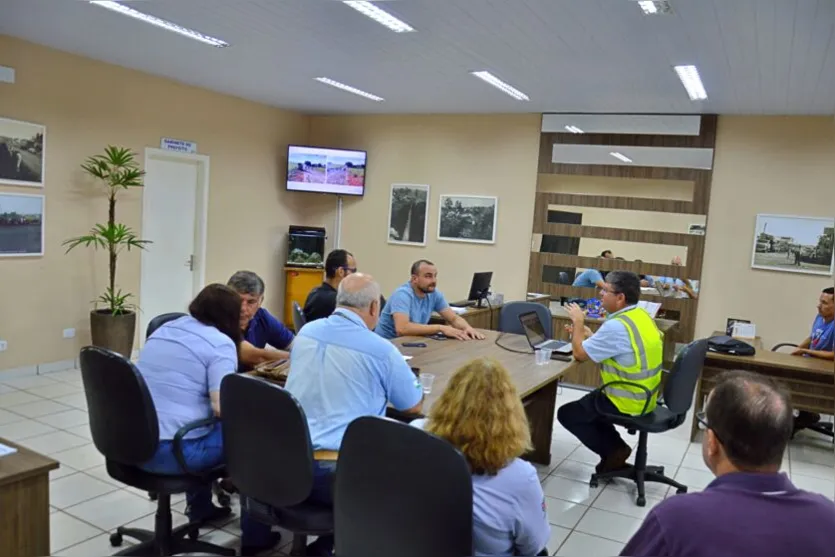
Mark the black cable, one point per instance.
(490, 307)
(498, 338)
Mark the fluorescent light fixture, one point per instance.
(501, 85)
(167, 25)
(648, 6)
(369, 9)
(349, 89)
(689, 77)
(655, 7)
(620, 156)
(574, 129)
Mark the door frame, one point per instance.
(201, 219)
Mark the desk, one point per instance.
(811, 381)
(24, 502)
(488, 317)
(537, 385)
(587, 373)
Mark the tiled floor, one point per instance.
(48, 414)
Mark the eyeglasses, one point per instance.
(349, 270)
(702, 418)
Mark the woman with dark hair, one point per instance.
(183, 363)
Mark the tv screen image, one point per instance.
(322, 170)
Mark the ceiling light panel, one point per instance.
(655, 7)
(692, 81)
(371, 10)
(505, 88)
(349, 89)
(620, 156)
(161, 23)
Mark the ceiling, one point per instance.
(754, 56)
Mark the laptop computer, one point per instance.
(535, 332)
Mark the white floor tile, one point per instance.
(70, 417)
(75, 400)
(221, 537)
(574, 470)
(68, 375)
(812, 470)
(7, 417)
(694, 462)
(815, 485)
(81, 458)
(27, 382)
(100, 545)
(15, 398)
(18, 431)
(584, 455)
(570, 490)
(62, 471)
(100, 473)
(605, 524)
(233, 527)
(76, 488)
(584, 545)
(65, 531)
(81, 431)
(38, 408)
(824, 456)
(695, 480)
(558, 536)
(621, 502)
(147, 522)
(56, 441)
(564, 513)
(112, 510)
(54, 390)
(6, 389)
(651, 489)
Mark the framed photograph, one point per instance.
(697, 229)
(408, 214)
(468, 218)
(793, 244)
(729, 324)
(21, 225)
(21, 153)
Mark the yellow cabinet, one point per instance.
(298, 282)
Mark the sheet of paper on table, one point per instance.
(6, 450)
(458, 310)
(650, 307)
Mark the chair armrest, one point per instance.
(177, 443)
(783, 344)
(602, 389)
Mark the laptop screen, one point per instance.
(533, 328)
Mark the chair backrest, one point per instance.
(401, 491)
(267, 445)
(298, 317)
(510, 312)
(563, 278)
(678, 391)
(123, 419)
(161, 320)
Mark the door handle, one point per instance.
(190, 263)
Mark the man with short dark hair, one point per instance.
(630, 350)
(321, 301)
(819, 344)
(750, 508)
(606, 254)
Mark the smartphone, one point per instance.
(414, 345)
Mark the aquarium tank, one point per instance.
(306, 246)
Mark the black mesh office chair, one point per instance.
(401, 491)
(824, 428)
(299, 319)
(160, 320)
(510, 312)
(124, 426)
(669, 414)
(269, 457)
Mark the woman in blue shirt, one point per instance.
(183, 363)
(481, 414)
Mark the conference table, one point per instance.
(810, 381)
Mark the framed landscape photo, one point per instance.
(468, 218)
(794, 244)
(21, 225)
(408, 214)
(21, 153)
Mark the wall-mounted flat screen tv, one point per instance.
(322, 170)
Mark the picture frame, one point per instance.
(22, 220)
(468, 218)
(408, 218)
(731, 321)
(794, 244)
(22, 153)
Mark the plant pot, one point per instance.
(114, 332)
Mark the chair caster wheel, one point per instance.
(152, 496)
(193, 534)
(661, 470)
(224, 500)
(680, 491)
(116, 539)
(593, 482)
(642, 501)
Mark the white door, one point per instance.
(173, 213)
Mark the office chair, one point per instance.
(269, 457)
(124, 426)
(298, 317)
(669, 414)
(401, 491)
(823, 428)
(161, 320)
(509, 317)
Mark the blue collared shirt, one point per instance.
(822, 335)
(340, 370)
(404, 300)
(588, 278)
(264, 329)
(611, 340)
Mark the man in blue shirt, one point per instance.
(410, 307)
(258, 325)
(819, 344)
(592, 278)
(341, 370)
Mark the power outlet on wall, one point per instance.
(3, 345)
(69, 333)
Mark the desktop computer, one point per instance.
(479, 290)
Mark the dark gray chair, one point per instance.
(160, 320)
(401, 491)
(298, 317)
(668, 414)
(823, 428)
(509, 317)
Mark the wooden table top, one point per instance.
(23, 464)
(779, 360)
(664, 325)
(443, 357)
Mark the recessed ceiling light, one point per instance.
(689, 76)
(379, 15)
(574, 129)
(655, 7)
(349, 89)
(153, 20)
(501, 85)
(620, 156)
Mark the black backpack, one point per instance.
(728, 345)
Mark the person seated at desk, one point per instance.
(683, 288)
(481, 414)
(341, 370)
(591, 278)
(259, 326)
(630, 350)
(410, 307)
(819, 344)
(183, 364)
(321, 301)
(750, 508)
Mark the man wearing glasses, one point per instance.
(321, 301)
(750, 508)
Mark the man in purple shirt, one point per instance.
(750, 508)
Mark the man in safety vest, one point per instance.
(629, 348)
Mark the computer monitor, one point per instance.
(480, 287)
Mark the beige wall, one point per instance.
(780, 165)
(479, 155)
(86, 105)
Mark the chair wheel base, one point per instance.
(681, 490)
(641, 501)
(593, 482)
(116, 539)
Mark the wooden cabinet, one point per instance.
(298, 282)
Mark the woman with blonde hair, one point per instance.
(481, 414)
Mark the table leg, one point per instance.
(539, 407)
(698, 405)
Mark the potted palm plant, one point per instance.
(113, 318)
